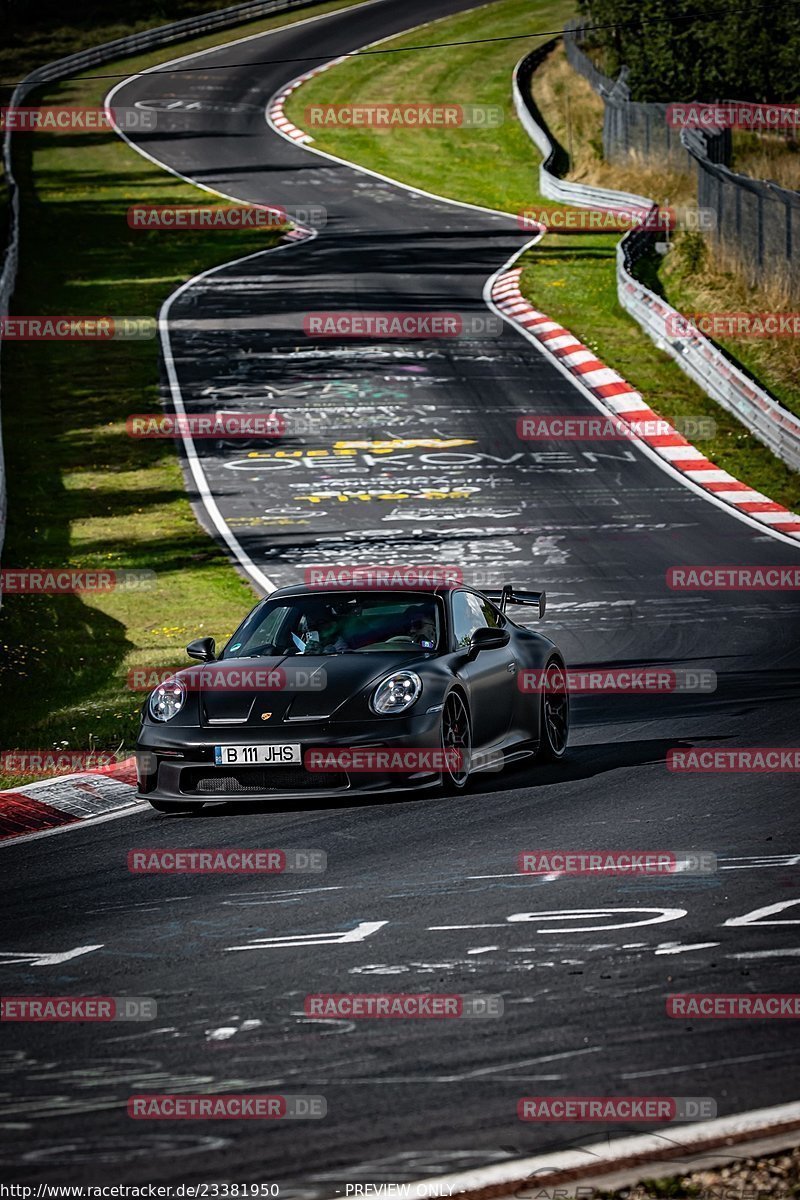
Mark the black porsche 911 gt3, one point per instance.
(329, 692)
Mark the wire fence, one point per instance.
(757, 223)
(633, 130)
(74, 64)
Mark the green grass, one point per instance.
(694, 279)
(494, 167)
(572, 278)
(81, 493)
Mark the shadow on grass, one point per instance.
(81, 493)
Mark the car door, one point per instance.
(491, 676)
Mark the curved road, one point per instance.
(422, 464)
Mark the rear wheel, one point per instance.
(457, 740)
(174, 806)
(554, 728)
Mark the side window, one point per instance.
(264, 633)
(492, 617)
(468, 615)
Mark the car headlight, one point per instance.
(396, 693)
(167, 700)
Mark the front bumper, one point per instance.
(177, 764)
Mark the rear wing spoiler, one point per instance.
(512, 595)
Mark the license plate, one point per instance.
(273, 754)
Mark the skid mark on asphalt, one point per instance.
(785, 952)
(712, 1064)
(116, 1150)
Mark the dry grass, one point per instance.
(574, 114)
(772, 156)
(699, 277)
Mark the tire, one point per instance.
(554, 719)
(456, 734)
(174, 806)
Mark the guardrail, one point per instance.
(74, 64)
(550, 185)
(757, 221)
(700, 359)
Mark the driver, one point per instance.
(422, 626)
(332, 633)
(322, 630)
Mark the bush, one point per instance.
(679, 50)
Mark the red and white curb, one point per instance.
(626, 404)
(276, 113)
(712, 1142)
(65, 800)
(613, 392)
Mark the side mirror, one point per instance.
(204, 649)
(488, 638)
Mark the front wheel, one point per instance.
(456, 743)
(554, 721)
(170, 806)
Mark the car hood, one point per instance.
(287, 687)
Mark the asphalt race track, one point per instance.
(422, 465)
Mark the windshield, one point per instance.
(354, 622)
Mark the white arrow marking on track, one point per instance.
(789, 952)
(361, 931)
(677, 948)
(581, 914)
(12, 958)
(755, 917)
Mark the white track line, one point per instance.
(278, 100)
(603, 1157)
(136, 806)
(262, 581)
(648, 451)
